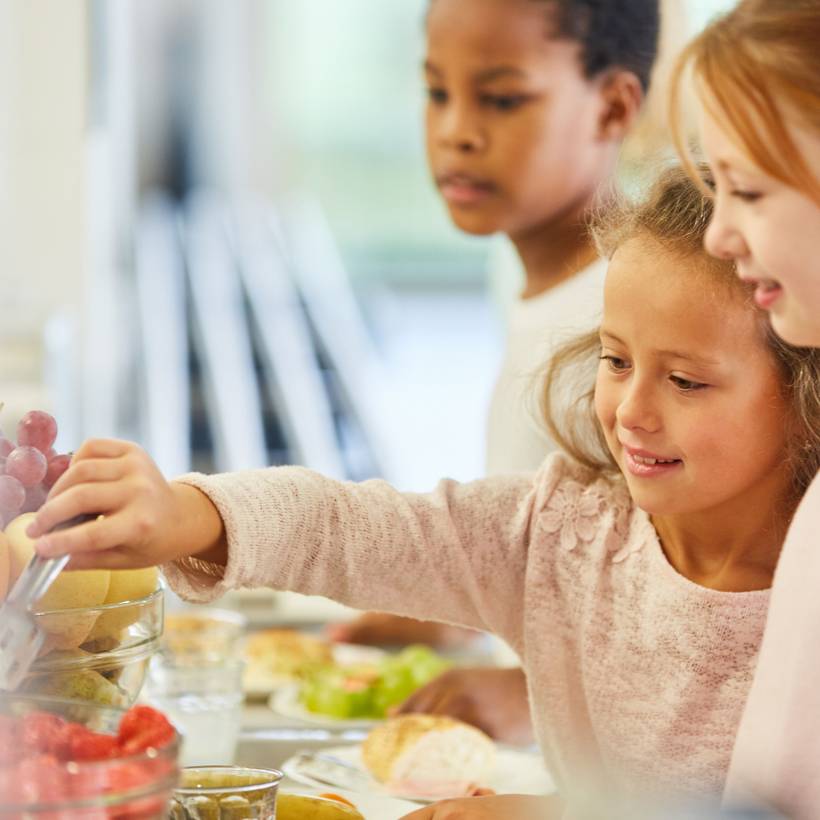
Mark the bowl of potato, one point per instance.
(101, 626)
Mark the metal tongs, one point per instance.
(20, 636)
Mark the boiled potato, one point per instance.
(71, 590)
(125, 585)
(307, 807)
(5, 566)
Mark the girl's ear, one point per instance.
(622, 97)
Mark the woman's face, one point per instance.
(770, 229)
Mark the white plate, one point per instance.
(259, 684)
(285, 702)
(372, 806)
(516, 772)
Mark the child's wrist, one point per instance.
(200, 531)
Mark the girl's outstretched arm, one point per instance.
(458, 554)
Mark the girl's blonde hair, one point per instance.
(675, 213)
(756, 69)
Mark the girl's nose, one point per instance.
(637, 411)
(723, 240)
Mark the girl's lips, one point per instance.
(767, 293)
(647, 465)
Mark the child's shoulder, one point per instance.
(577, 506)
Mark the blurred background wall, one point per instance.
(218, 236)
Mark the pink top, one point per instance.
(632, 668)
(777, 755)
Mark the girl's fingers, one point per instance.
(86, 499)
(89, 471)
(425, 813)
(428, 700)
(100, 544)
(102, 448)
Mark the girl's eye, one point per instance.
(504, 102)
(746, 196)
(437, 95)
(686, 385)
(615, 363)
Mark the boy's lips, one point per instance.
(463, 189)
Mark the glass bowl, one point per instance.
(97, 654)
(206, 632)
(137, 787)
(226, 793)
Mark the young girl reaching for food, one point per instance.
(630, 573)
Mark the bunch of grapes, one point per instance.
(29, 468)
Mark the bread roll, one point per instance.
(429, 755)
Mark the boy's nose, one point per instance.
(461, 133)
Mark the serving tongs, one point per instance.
(20, 636)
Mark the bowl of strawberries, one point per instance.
(63, 759)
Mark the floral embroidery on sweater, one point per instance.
(592, 513)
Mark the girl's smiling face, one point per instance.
(513, 127)
(770, 229)
(688, 395)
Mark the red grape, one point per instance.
(12, 494)
(27, 464)
(56, 467)
(6, 446)
(37, 429)
(35, 498)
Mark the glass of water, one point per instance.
(202, 696)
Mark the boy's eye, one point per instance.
(615, 363)
(437, 95)
(503, 102)
(686, 385)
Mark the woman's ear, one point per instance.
(622, 96)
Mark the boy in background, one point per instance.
(529, 102)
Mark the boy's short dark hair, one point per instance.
(612, 33)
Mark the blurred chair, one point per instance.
(221, 339)
(284, 343)
(341, 336)
(161, 305)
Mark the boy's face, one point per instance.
(770, 229)
(686, 379)
(512, 125)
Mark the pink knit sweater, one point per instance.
(633, 669)
(777, 756)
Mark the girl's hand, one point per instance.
(508, 806)
(494, 700)
(143, 520)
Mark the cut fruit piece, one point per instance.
(307, 807)
(5, 566)
(124, 585)
(72, 590)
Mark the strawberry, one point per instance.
(88, 745)
(40, 732)
(142, 727)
